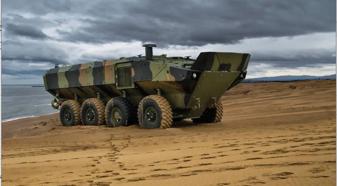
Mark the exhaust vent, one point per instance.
(148, 50)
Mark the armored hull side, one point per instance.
(190, 87)
(206, 80)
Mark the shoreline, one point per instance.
(26, 117)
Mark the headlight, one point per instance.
(194, 75)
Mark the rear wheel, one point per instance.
(154, 112)
(70, 113)
(92, 112)
(118, 111)
(211, 115)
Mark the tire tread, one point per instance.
(127, 108)
(75, 107)
(165, 107)
(99, 106)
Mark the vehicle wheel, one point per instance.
(211, 115)
(92, 112)
(118, 111)
(154, 112)
(70, 113)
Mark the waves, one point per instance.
(25, 117)
(16, 118)
(20, 102)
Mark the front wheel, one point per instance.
(154, 112)
(70, 113)
(211, 115)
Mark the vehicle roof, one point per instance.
(174, 61)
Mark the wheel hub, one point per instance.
(67, 115)
(150, 114)
(116, 114)
(90, 114)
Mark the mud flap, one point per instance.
(209, 89)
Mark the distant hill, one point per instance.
(291, 78)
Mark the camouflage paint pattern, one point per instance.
(189, 85)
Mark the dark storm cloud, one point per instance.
(23, 72)
(34, 31)
(25, 30)
(309, 59)
(184, 22)
(296, 62)
(200, 22)
(38, 7)
(32, 52)
(13, 17)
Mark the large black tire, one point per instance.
(70, 113)
(154, 112)
(118, 112)
(211, 115)
(92, 112)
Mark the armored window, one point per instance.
(124, 78)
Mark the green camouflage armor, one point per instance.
(190, 86)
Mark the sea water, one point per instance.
(20, 101)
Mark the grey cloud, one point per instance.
(25, 30)
(16, 26)
(17, 55)
(35, 52)
(23, 72)
(198, 23)
(308, 58)
(38, 7)
(295, 63)
(184, 22)
(170, 22)
(16, 18)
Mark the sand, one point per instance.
(271, 134)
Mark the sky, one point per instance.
(288, 37)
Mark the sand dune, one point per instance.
(271, 134)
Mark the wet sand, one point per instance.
(271, 134)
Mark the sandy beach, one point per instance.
(271, 134)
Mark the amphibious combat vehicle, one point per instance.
(151, 90)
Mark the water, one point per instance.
(24, 101)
